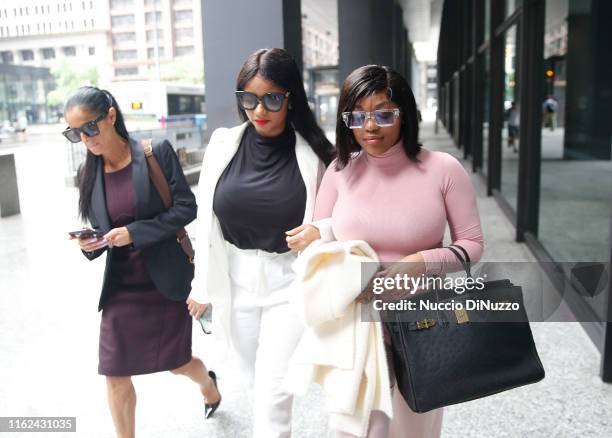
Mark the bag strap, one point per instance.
(163, 188)
(156, 174)
(465, 259)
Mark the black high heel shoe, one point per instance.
(209, 409)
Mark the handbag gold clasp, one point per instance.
(425, 324)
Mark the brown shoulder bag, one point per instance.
(161, 184)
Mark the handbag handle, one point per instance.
(465, 261)
(161, 185)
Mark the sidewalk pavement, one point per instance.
(49, 326)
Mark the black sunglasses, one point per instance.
(90, 129)
(271, 101)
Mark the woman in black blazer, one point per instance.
(145, 325)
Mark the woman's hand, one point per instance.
(118, 237)
(91, 244)
(195, 309)
(367, 294)
(299, 238)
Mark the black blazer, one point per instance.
(154, 229)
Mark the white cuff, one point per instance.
(325, 229)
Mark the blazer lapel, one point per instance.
(227, 152)
(98, 200)
(308, 162)
(140, 178)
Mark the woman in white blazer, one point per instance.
(258, 184)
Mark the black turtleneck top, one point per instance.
(261, 193)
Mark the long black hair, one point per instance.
(365, 81)
(276, 65)
(96, 101)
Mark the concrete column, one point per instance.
(9, 195)
(363, 34)
(233, 29)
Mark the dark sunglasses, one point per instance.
(90, 129)
(271, 101)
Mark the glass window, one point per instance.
(7, 57)
(27, 55)
(184, 104)
(151, 52)
(121, 20)
(576, 167)
(185, 33)
(69, 51)
(487, 19)
(23, 95)
(124, 37)
(126, 71)
(576, 148)
(48, 53)
(486, 103)
(91, 51)
(151, 35)
(183, 15)
(114, 4)
(184, 51)
(512, 6)
(152, 17)
(512, 111)
(120, 55)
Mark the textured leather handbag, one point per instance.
(161, 185)
(452, 356)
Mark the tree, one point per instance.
(187, 70)
(68, 77)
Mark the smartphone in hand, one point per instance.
(86, 233)
(206, 319)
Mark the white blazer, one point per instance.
(211, 283)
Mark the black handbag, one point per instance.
(444, 357)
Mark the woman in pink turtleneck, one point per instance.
(386, 189)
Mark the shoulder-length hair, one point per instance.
(276, 65)
(363, 82)
(95, 101)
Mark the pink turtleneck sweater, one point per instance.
(401, 207)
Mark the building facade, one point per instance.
(41, 33)
(125, 39)
(145, 34)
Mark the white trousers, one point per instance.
(265, 333)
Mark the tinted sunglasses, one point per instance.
(90, 129)
(382, 117)
(271, 101)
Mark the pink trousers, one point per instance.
(405, 423)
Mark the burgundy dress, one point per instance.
(141, 331)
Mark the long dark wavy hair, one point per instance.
(96, 101)
(276, 65)
(363, 82)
